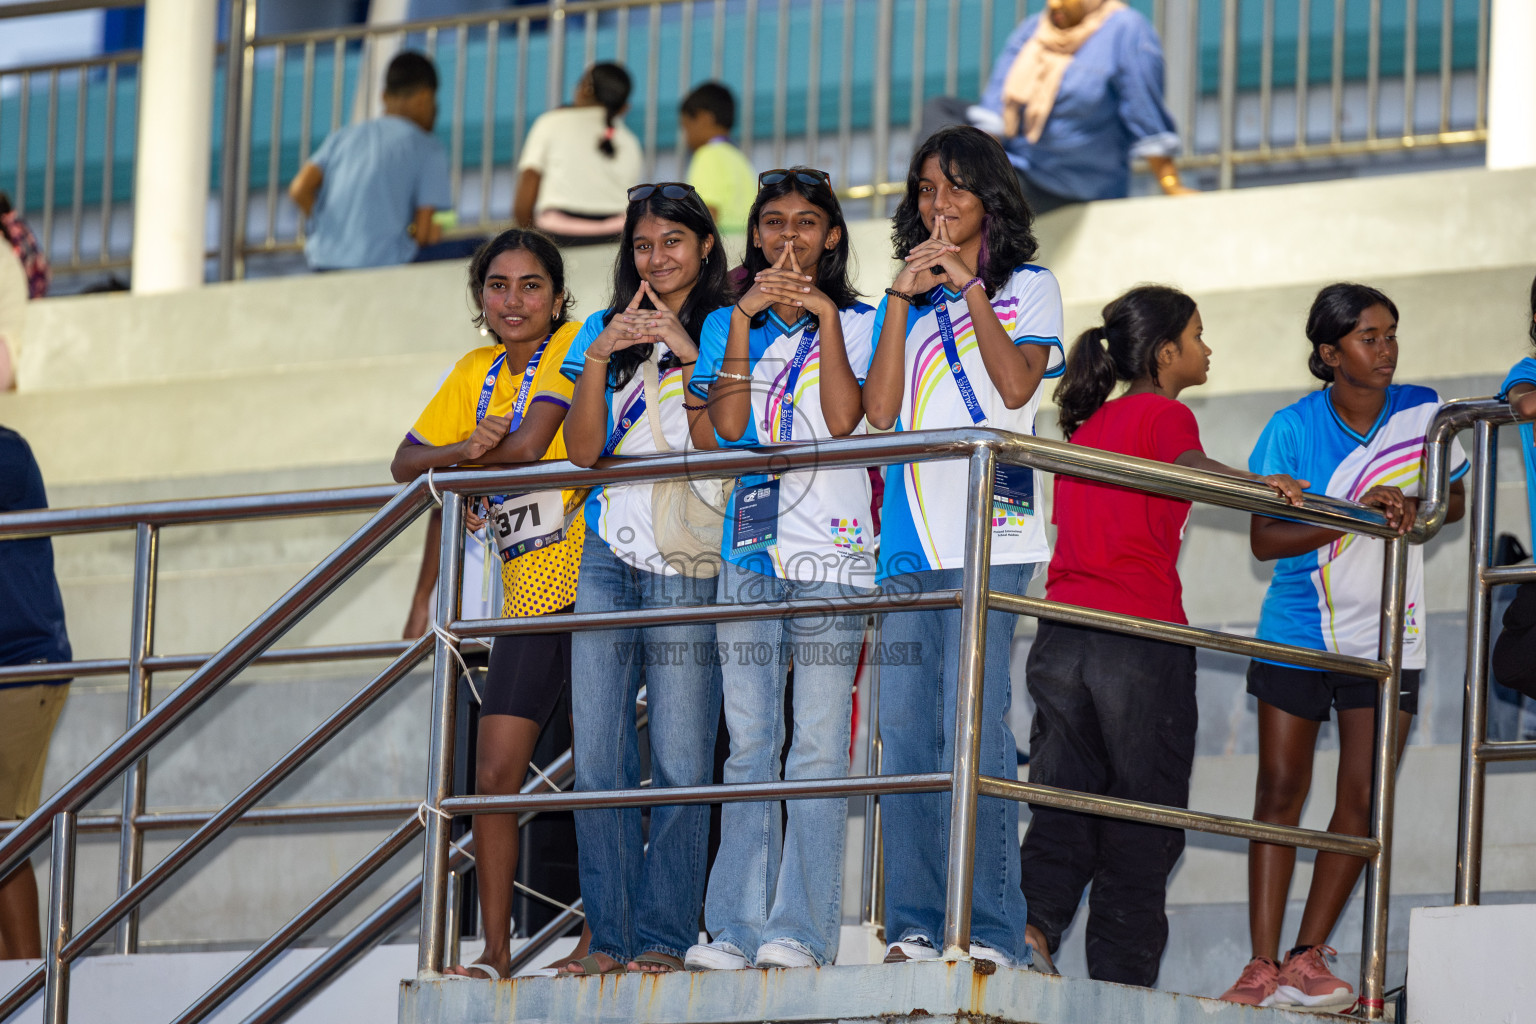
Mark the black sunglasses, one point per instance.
(806, 176)
(668, 190)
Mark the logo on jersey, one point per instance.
(847, 535)
(1411, 620)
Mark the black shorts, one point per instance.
(528, 675)
(1309, 693)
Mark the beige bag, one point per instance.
(687, 516)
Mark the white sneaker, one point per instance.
(981, 951)
(783, 953)
(910, 950)
(715, 956)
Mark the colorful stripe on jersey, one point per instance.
(788, 388)
(935, 354)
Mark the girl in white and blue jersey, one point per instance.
(786, 364)
(1519, 390)
(631, 364)
(1360, 438)
(969, 329)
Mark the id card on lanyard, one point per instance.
(521, 522)
(756, 520)
(1013, 487)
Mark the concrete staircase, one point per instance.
(311, 381)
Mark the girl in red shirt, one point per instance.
(1115, 713)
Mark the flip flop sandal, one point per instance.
(487, 972)
(666, 961)
(591, 966)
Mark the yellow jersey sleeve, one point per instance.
(450, 416)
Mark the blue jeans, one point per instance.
(763, 889)
(640, 899)
(917, 729)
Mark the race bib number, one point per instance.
(527, 522)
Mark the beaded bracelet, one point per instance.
(970, 283)
(733, 376)
(597, 359)
(696, 408)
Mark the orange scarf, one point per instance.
(1035, 77)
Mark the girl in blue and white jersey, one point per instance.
(1360, 438)
(1519, 390)
(785, 364)
(970, 327)
(632, 363)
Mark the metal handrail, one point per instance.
(981, 447)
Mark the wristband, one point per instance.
(971, 283)
(689, 362)
(743, 312)
(903, 296)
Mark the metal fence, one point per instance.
(983, 448)
(1256, 85)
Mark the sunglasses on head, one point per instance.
(806, 176)
(668, 190)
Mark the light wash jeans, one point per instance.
(763, 889)
(917, 730)
(640, 899)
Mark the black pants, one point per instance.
(942, 111)
(1114, 715)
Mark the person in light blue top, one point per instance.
(1519, 390)
(371, 189)
(786, 364)
(1076, 96)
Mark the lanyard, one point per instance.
(627, 418)
(952, 356)
(520, 403)
(791, 378)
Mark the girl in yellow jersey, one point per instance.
(505, 403)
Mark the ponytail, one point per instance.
(610, 88)
(1136, 326)
(1088, 379)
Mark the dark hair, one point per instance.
(831, 267)
(5, 207)
(610, 88)
(714, 99)
(408, 72)
(537, 244)
(1136, 326)
(1335, 312)
(1532, 323)
(709, 293)
(974, 160)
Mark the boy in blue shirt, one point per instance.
(370, 190)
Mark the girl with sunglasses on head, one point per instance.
(505, 403)
(631, 364)
(970, 327)
(784, 364)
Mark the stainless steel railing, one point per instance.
(835, 84)
(983, 448)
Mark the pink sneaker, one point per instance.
(1256, 985)
(1305, 980)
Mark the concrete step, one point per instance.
(931, 993)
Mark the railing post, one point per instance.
(869, 902)
(881, 114)
(1228, 87)
(61, 915)
(141, 643)
(445, 685)
(968, 700)
(1474, 713)
(239, 66)
(1378, 871)
(556, 82)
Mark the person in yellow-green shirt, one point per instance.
(505, 402)
(719, 172)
